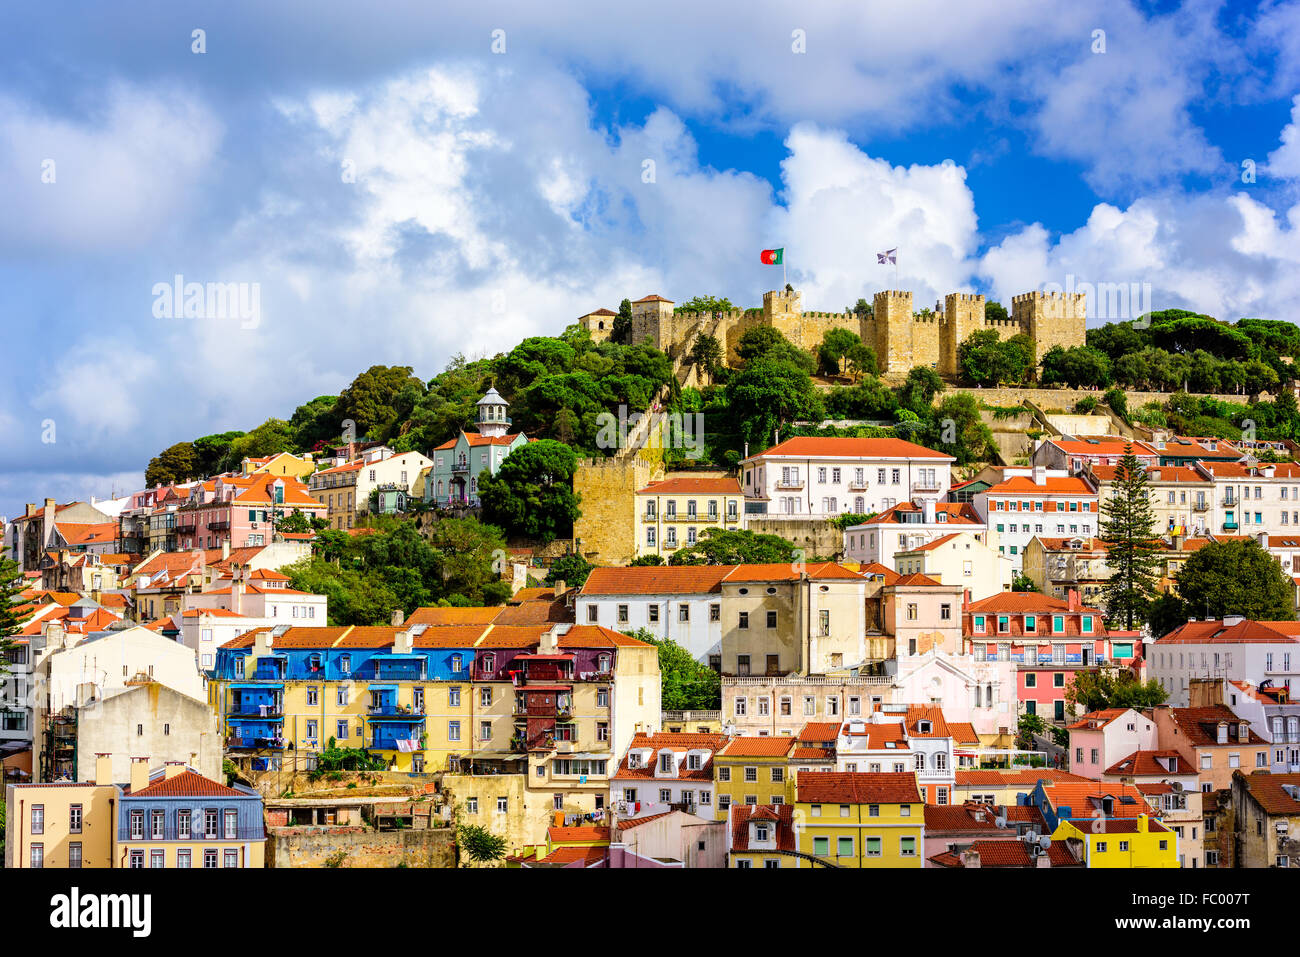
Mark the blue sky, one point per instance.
(398, 192)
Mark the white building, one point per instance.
(666, 772)
(958, 558)
(909, 738)
(1234, 649)
(263, 597)
(1018, 508)
(905, 527)
(680, 602)
(1250, 499)
(812, 477)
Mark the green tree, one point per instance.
(1027, 727)
(1098, 690)
(12, 584)
(315, 422)
(706, 354)
(270, 438)
(572, 569)
(718, 546)
(862, 309)
(471, 557)
(994, 311)
(766, 342)
(1128, 529)
(1076, 366)
(919, 389)
(378, 399)
(650, 559)
(532, 493)
(766, 394)
(687, 685)
(355, 597)
(621, 331)
(706, 305)
(1023, 582)
(479, 844)
(955, 427)
(176, 463)
(835, 346)
(1235, 577)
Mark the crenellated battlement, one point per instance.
(901, 338)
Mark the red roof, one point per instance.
(782, 815)
(1146, 762)
(858, 787)
(837, 447)
(753, 746)
(584, 835)
(1024, 485)
(1241, 633)
(679, 742)
(1008, 853)
(697, 486)
(186, 784)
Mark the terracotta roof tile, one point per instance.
(820, 447)
(858, 787)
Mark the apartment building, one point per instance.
(1182, 496)
(906, 527)
(860, 820)
(664, 772)
(959, 558)
(1233, 649)
(810, 477)
(1075, 454)
(458, 464)
(675, 513)
(1266, 819)
(1019, 508)
(1217, 741)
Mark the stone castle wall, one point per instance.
(900, 338)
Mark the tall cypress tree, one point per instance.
(11, 585)
(1128, 529)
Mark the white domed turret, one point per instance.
(492, 418)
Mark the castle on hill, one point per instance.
(900, 338)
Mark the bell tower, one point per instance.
(492, 418)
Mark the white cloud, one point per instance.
(122, 174)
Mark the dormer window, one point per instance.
(666, 762)
(761, 831)
(634, 759)
(693, 762)
(923, 727)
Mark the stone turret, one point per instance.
(1051, 319)
(652, 316)
(892, 310)
(963, 313)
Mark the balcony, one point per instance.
(1230, 525)
(789, 483)
(459, 467)
(649, 517)
(222, 525)
(272, 711)
(188, 527)
(237, 743)
(399, 667)
(858, 485)
(927, 485)
(1200, 506)
(1229, 502)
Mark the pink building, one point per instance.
(241, 510)
(1100, 739)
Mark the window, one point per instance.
(872, 847)
(724, 774)
(844, 847)
(210, 824)
(38, 818)
(742, 704)
(232, 821)
(485, 730)
(38, 856)
(210, 858)
(1031, 680)
(183, 824)
(453, 730)
(137, 825)
(751, 774)
(622, 613)
(821, 846)
(771, 619)
(778, 775)
(1101, 847)
(156, 828)
(743, 621)
(230, 859)
(907, 846)
(157, 858)
(311, 696)
(592, 613)
(74, 819)
(503, 805)
(74, 854)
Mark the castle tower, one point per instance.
(605, 532)
(784, 312)
(599, 323)
(1051, 319)
(652, 316)
(963, 314)
(892, 310)
(492, 419)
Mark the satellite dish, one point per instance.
(1045, 842)
(1177, 785)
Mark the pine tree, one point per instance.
(1128, 530)
(11, 585)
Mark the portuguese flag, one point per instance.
(772, 257)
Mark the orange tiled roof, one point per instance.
(782, 815)
(1144, 762)
(674, 742)
(1019, 778)
(1243, 632)
(585, 835)
(753, 746)
(697, 486)
(836, 447)
(858, 787)
(1082, 798)
(1268, 792)
(186, 784)
(1200, 725)
(1009, 853)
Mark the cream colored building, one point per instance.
(783, 618)
(674, 513)
(1182, 497)
(962, 559)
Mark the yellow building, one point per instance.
(859, 820)
(171, 817)
(762, 835)
(960, 558)
(674, 513)
(1120, 842)
(336, 489)
(752, 771)
(283, 463)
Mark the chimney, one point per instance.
(1074, 603)
(225, 549)
(559, 587)
(398, 618)
(173, 768)
(103, 767)
(549, 642)
(1040, 474)
(1142, 823)
(237, 597)
(965, 599)
(970, 859)
(139, 774)
(1042, 860)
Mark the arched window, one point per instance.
(859, 505)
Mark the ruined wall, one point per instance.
(360, 847)
(605, 532)
(817, 537)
